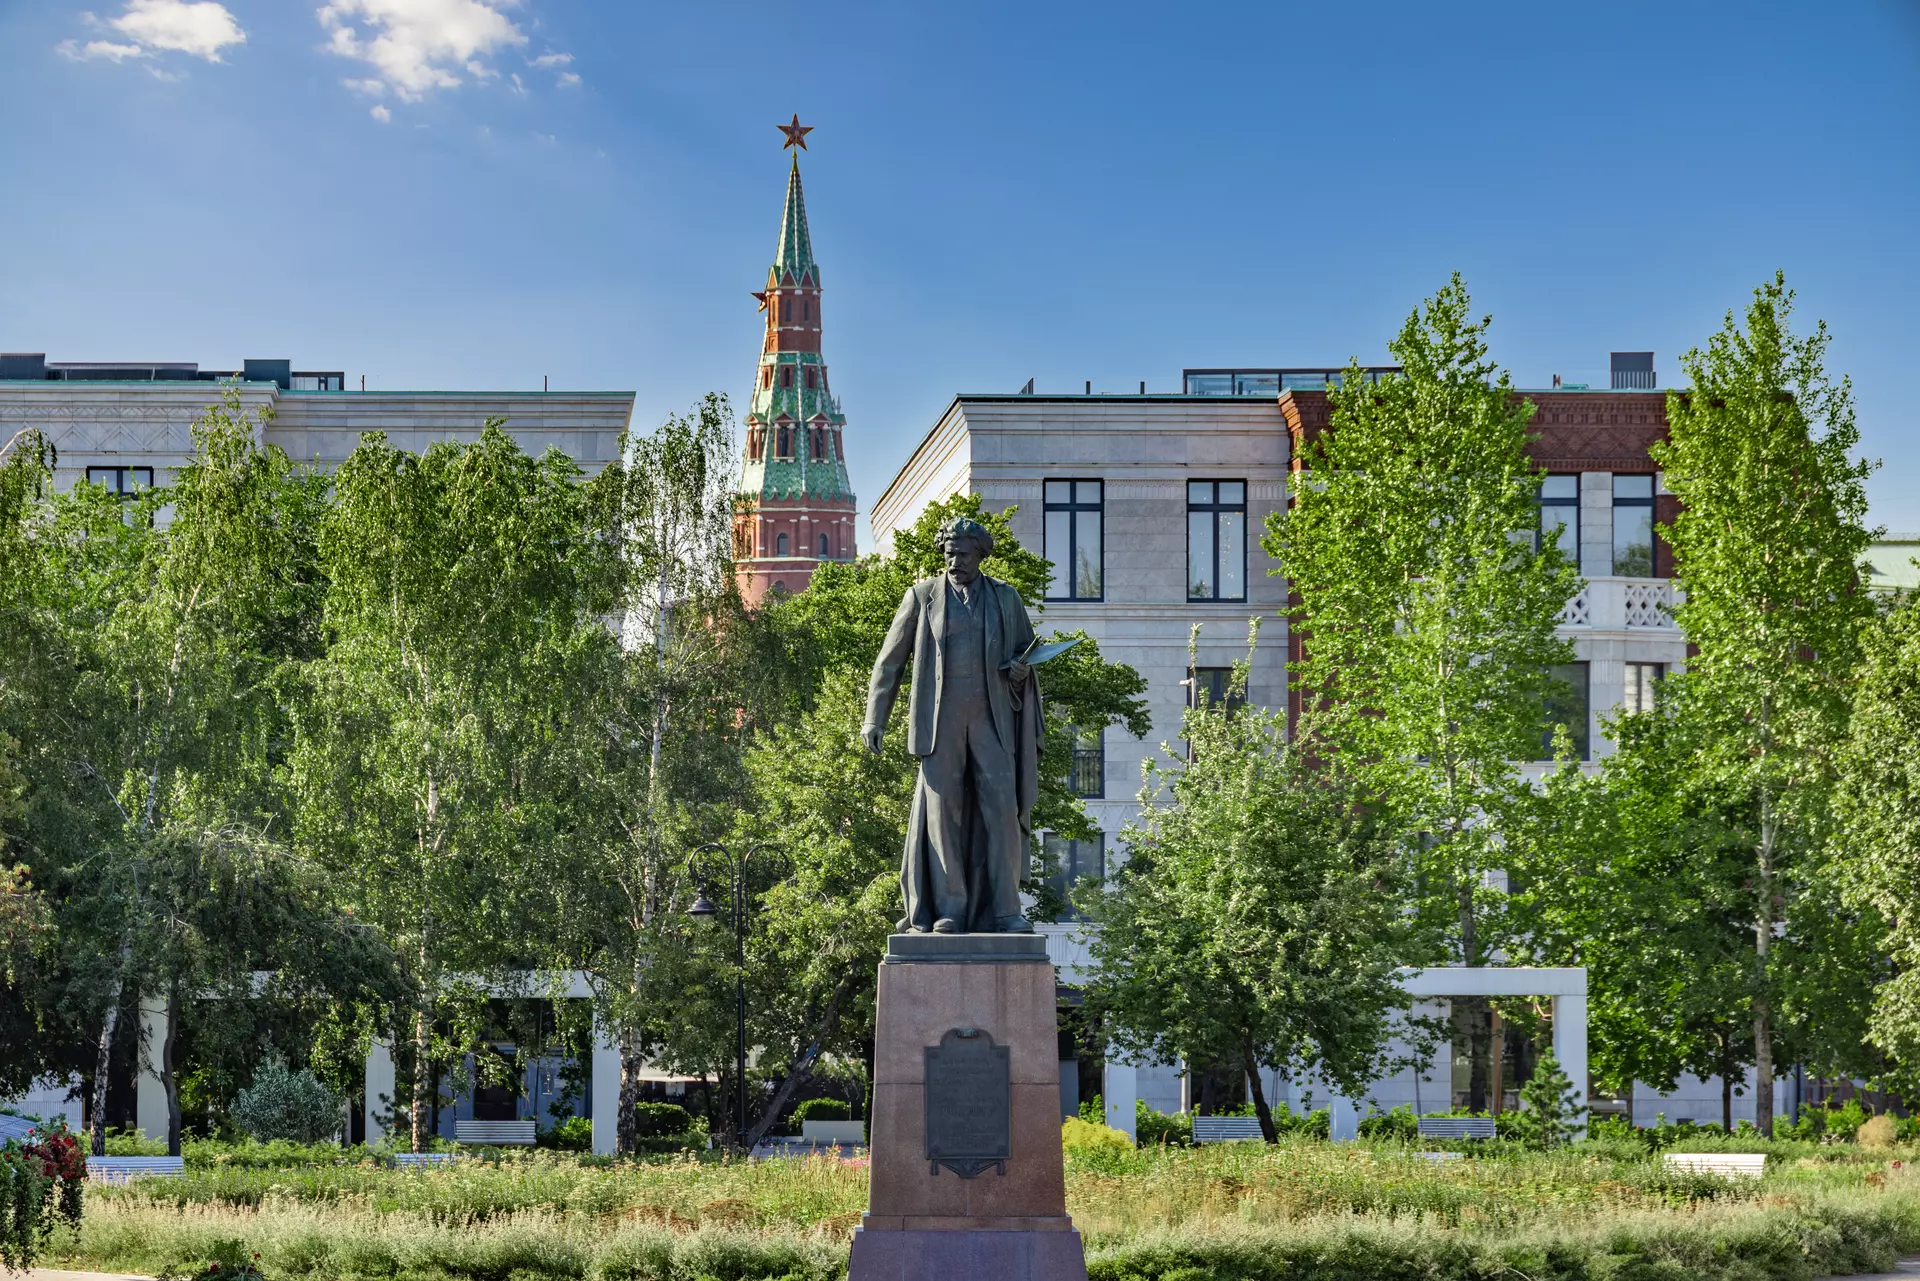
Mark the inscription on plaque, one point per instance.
(969, 1103)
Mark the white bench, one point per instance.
(1456, 1127)
(422, 1160)
(1746, 1165)
(119, 1169)
(496, 1133)
(1226, 1129)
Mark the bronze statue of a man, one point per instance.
(974, 722)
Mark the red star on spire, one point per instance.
(796, 133)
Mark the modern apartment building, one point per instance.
(126, 424)
(1151, 507)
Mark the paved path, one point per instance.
(1902, 1270)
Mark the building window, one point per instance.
(785, 443)
(1073, 509)
(124, 481)
(780, 545)
(1633, 526)
(1216, 540)
(1088, 773)
(1566, 705)
(1075, 863)
(824, 547)
(1213, 687)
(1642, 681)
(810, 380)
(1560, 515)
(786, 377)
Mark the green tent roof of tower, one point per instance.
(793, 260)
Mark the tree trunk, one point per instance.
(103, 1056)
(802, 1068)
(632, 1063)
(169, 1075)
(1726, 1099)
(422, 1071)
(1762, 946)
(1258, 1089)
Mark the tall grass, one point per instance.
(1221, 1213)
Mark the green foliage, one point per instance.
(1080, 1137)
(1258, 880)
(821, 1110)
(1550, 1108)
(1408, 547)
(285, 1104)
(570, 1134)
(1153, 1128)
(660, 1120)
(1879, 804)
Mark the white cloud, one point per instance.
(381, 113)
(568, 80)
(519, 86)
(481, 71)
(417, 46)
(198, 28)
(547, 61)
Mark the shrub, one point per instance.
(1160, 1129)
(1084, 1136)
(570, 1134)
(821, 1110)
(1877, 1132)
(1397, 1126)
(284, 1104)
(1550, 1112)
(39, 1178)
(661, 1120)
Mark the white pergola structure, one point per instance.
(1567, 987)
(150, 1092)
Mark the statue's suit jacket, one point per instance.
(919, 632)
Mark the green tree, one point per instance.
(1550, 1108)
(1767, 548)
(1258, 919)
(1880, 805)
(463, 602)
(1426, 610)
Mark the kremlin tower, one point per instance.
(794, 466)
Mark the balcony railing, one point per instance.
(1621, 603)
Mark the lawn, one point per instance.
(1354, 1211)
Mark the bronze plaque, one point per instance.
(969, 1103)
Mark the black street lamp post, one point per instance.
(739, 909)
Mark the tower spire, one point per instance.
(794, 464)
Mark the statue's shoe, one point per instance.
(1014, 925)
(905, 926)
(947, 925)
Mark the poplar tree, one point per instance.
(1425, 609)
(1767, 551)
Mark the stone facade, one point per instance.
(148, 424)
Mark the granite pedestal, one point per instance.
(976, 1189)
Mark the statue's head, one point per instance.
(964, 542)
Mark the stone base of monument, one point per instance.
(967, 1175)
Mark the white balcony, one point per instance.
(1618, 604)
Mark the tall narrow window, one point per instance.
(1216, 540)
(1642, 681)
(1073, 511)
(785, 443)
(1633, 526)
(824, 545)
(1213, 687)
(786, 377)
(1088, 775)
(1076, 863)
(1560, 514)
(810, 379)
(780, 545)
(124, 481)
(1566, 705)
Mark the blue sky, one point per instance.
(473, 194)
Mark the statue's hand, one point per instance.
(872, 736)
(1017, 672)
